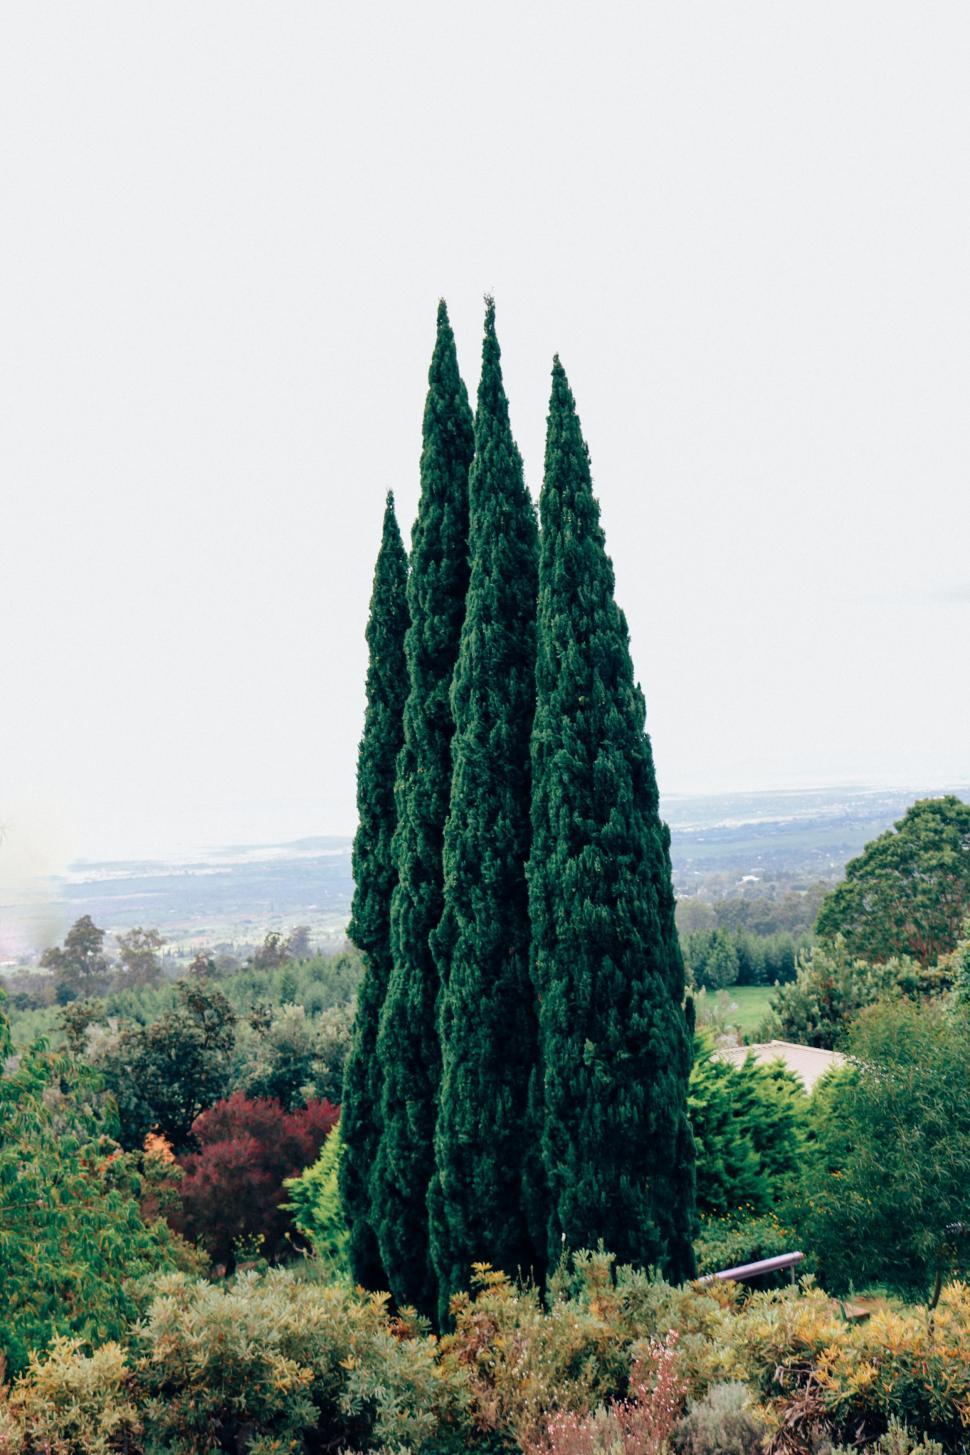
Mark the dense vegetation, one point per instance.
(534, 1046)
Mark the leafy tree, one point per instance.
(408, 1039)
(884, 1198)
(908, 892)
(140, 961)
(71, 1234)
(203, 964)
(375, 874)
(163, 1075)
(615, 1047)
(487, 1017)
(712, 959)
(271, 953)
(298, 945)
(81, 967)
(232, 1188)
(291, 1056)
(748, 1123)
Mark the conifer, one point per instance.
(487, 1018)
(374, 876)
(615, 1050)
(408, 1039)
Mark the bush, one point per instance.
(640, 1425)
(72, 1235)
(278, 1355)
(725, 1422)
(232, 1188)
(831, 987)
(884, 1191)
(316, 1207)
(280, 1361)
(749, 1123)
(739, 1237)
(69, 1401)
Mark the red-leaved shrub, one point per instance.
(232, 1187)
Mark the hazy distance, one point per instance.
(745, 230)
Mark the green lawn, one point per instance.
(743, 1006)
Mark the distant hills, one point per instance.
(235, 894)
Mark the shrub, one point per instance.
(232, 1188)
(884, 1193)
(640, 1425)
(739, 1237)
(71, 1234)
(70, 1402)
(896, 1441)
(749, 1122)
(725, 1422)
(277, 1355)
(316, 1206)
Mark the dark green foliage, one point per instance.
(614, 1041)
(487, 1017)
(374, 878)
(908, 892)
(163, 1075)
(717, 958)
(81, 967)
(711, 959)
(408, 1045)
(748, 1123)
(884, 1198)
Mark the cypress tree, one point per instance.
(374, 876)
(615, 1048)
(487, 1019)
(408, 1040)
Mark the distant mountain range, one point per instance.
(234, 895)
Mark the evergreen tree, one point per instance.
(408, 1041)
(487, 1018)
(615, 1050)
(374, 877)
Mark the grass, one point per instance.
(743, 1006)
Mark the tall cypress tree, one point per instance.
(374, 876)
(408, 1039)
(487, 1018)
(614, 1041)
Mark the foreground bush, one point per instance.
(619, 1364)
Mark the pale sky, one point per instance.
(745, 228)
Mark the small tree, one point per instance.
(315, 1205)
(885, 1194)
(81, 967)
(140, 960)
(163, 1075)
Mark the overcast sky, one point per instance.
(226, 226)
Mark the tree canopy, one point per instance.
(908, 892)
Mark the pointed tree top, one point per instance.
(492, 403)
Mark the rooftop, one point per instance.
(808, 1062)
